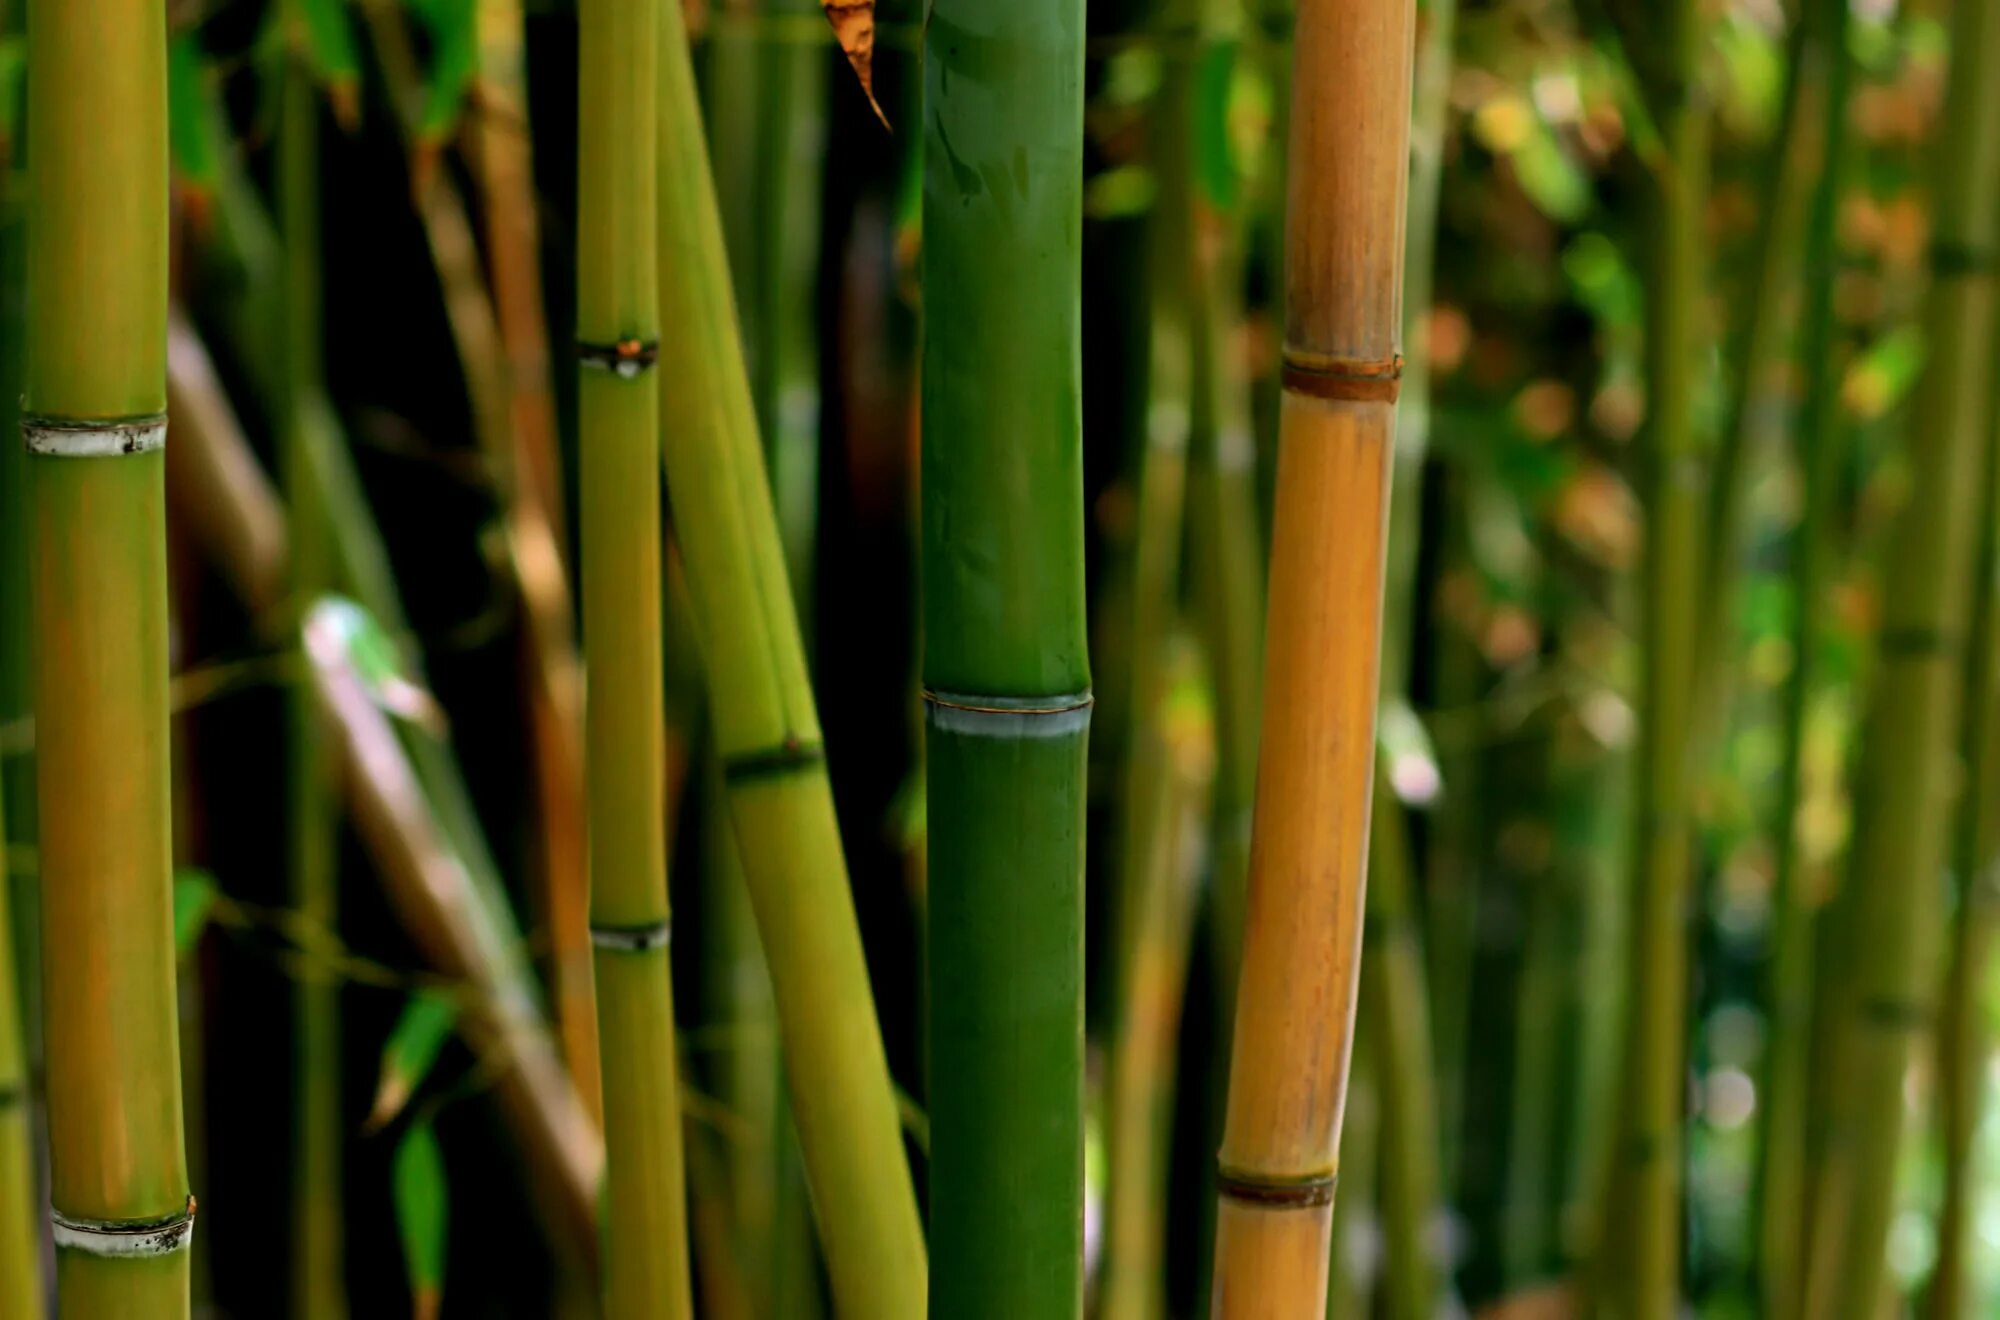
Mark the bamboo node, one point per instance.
(94, 437)
(1895, 1013)
(124, 1237)
(1916, 642)
(1008, 717)
(633, 939)
(1352, 380)
(789, 757)
(625, 358)
(1952, 258)
(1275, 1193)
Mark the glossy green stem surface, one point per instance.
(1006, 670)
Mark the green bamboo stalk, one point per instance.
(768, 738)
(1782, 1173)
(1964, 1040)
(20, 1208)
(1892, 903)
(93, 421)
(1157, 919)
(646, 1270)
(1353, 1272)
(1788, 166)
(1393, 997)
(1006, 668)
(21, 1283)
(318, 1288)
(1648, 1170)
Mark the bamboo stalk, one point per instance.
(1645, 1278)
(318, 1286)
(1302, 942)
(20, 1208)
(225, 500)
(1393, 995)
(93, 420)
(1158, 922)
(1891, 904)
(646, 1271)
(21, 1282)
(1006, 667)
(1964, 1043)
(1781, 1174)
(768, 737)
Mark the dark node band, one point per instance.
(1949, 258)
(1917, 642)
(633, 939)
(1353, 380)
(1893, 1013)
(1275, 1193)
(787, 758)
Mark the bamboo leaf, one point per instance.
(378, 661)
(453, 31)
(412, 1048)
(422, 1197)
(195, 893)
(13, 68)
(328, 45)
(854, 28)
(193, 135)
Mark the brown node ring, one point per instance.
(1276, 1193)
(1351, 380)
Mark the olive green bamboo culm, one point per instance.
(94, 423)
(645, 1252)
(767, 735)
(1640, 1267)
(1889, 918)
(316, 1277)
(1782, 1206)
(21, 1283)
(1006, 667)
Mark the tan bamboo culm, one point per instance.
(1348, 171)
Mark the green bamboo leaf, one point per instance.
(195, 893)
(422, 1200)
(193, 136)
(412, 1048)
(377, 660)
(453, 30)
(329, 48)
(13, 70)
(1217, 169)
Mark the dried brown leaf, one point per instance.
(854, 28)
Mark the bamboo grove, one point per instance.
(745, 658)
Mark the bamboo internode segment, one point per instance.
(95, 346)
(1303, 926)
(767, 728)
(1006, 667)
(646, 1268)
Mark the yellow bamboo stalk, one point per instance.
(1347, 175)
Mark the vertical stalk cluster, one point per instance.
(645, 1260)
(1006, 668)
(1891, 913)
(767, 736)
(1349, 132)
(94, 423)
